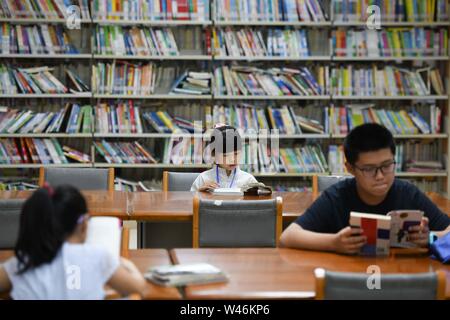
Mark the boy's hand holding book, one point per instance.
(419, 234)
(349, 240)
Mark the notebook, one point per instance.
(184, 274)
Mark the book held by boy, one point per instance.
(376, 228)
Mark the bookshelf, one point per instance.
(207, 61)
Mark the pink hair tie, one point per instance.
(49, 189)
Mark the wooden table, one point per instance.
(100, 203)
(143, 259)
(280, 273)
(177, 205)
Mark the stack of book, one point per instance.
(271, 10)
(388, 81)
(124, 78)
(195, 10)
(117, 40)
(392, 10)
(414, 42)
(252, 81)
(123, 152)
(73, 118)
(29, 80)
(345, 118)
(37, 39)
(196, 83)
(252, 43)
(30, 150)
(50, 9)
(123, 117)
(75, 155)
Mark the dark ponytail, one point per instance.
(48, 218)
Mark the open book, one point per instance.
(401, 221)
(385, 231)
(105, 232)
(254, 189)
(184, 274)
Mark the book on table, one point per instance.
(184, 274)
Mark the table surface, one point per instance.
(177, 205)
(281, 273)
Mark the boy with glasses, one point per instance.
(369, 150)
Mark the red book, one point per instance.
(183, 10)
(208, 41)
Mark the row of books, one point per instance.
(412, 42)
(47, 9)
(163, 122)
(123, 152)
(271, 10)
(195, 10)
(124, 78)
(388, 81)
(252, 81)
(123, 117)
(418, 156)
(117, 40)
(37, 80)
(345, 118)
(251, 119)
(411, 156)
(392, 10)
(250, 42)
(30, 150)
(73, 118)
(305, 159)
(37, 39)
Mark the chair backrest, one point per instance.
(81, 178)
(321, 183)
(178, 181)
(10, 210)
(354, 286)
(237, 223)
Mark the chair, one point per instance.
(228, 223)
(81, 178)
(321, 183)
(178, 181)
(353, 286)
(10, 210)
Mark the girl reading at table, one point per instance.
(52, 260)
(225, 173)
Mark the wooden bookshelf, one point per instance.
(210, 59)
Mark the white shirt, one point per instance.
(78, 272)
(240, 179)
